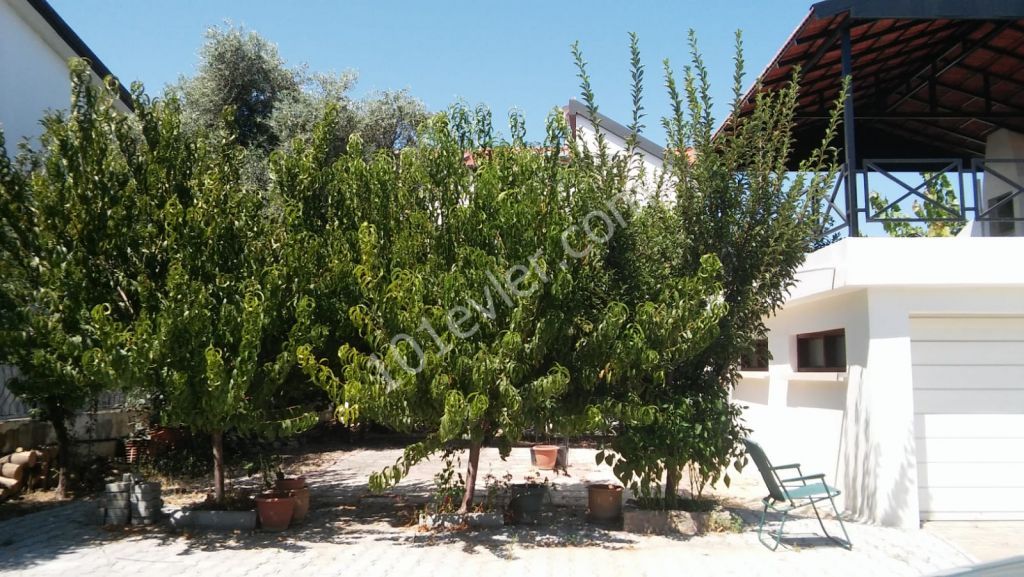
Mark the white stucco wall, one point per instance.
(33, 72)
(799, 417)
(858, 426)
(1004, 153)
(33, 76)
(652, 164)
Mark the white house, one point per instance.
(35, 46)
(650, 155)
(898, 363)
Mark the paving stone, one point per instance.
(340, 539)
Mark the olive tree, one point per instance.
(272, 104)
(241, 71)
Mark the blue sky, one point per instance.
(503, 54)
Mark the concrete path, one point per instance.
(346, 533)
(983, 540)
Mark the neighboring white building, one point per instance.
(650, 155)
(35, 46)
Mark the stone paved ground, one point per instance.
(345, 534)
(983, 540)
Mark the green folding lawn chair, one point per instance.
(785, 495)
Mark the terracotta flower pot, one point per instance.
(275, 510)
(546, 456)
(604, 502)
(290, 483)
(301, 497)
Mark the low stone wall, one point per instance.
(97, 433)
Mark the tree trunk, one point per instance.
(672, 478)
(471, 469)
(218, 466)
(60, 427)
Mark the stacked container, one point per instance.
(131, 501)
(145, 503)
(114, 509)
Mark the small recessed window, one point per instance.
(823, 352)
(756, 360)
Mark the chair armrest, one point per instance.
(805, 478)
(789, 466)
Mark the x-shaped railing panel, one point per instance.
(984, 166)
(943, 167)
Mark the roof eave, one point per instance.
(78, 46)
(616, 128)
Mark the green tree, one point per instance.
(389, 120)
(273, 103)
(937, 210)
(731, 202)
(296, 116)
(215, 334)
(475, 277)
(68, 243)
(240, 70)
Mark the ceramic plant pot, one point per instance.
(545, 456)
(275, 510)
(301, 497)
(563, 457)
(527, 500)
(604, 502)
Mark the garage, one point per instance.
(968, 382)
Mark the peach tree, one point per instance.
(468, 290)
(69, 243)
(214, 336)
(728, 198)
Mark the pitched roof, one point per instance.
(932, 77)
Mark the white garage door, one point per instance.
(969, 416)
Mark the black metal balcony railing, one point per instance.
(900, 186)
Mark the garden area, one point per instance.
(459, 286)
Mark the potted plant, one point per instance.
(527, 500)
(563, 454)
(275, 509)
(448, 488)
(268, 465)
(684, 516)
(490, 514)
(544, 456)
(604, 502)
(135, 444)
(235, 512)
(299, 491)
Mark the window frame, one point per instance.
(804, 337)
